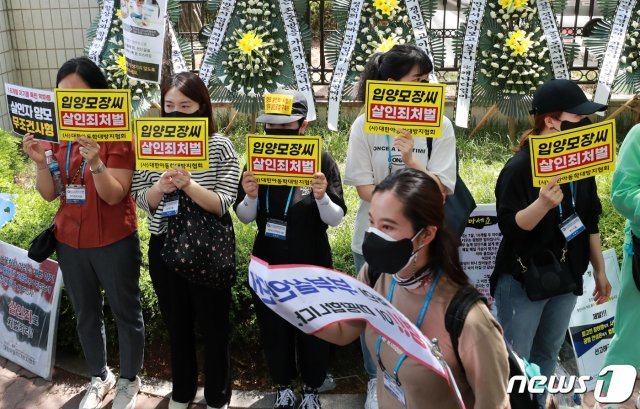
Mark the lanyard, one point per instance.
(389, 156)
(80, 168)
(573, 200)
(423, 312)
(286, 208)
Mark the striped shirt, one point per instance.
(222, 177)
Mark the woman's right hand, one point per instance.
(551, 194)
(164, 184)
(34, 149)
(250, 184)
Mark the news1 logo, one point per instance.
(623, 379)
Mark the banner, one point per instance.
(284, 160)
(413, 106)
(102, 31)
(177, 59)
(609, 66)
(574, 154)
(143, 29)
(296, 49)
(478, 248)
(215, 39)
(554, 42)
(28, 310)
(165, 142)
(420, 34)
(104, 115)
(311, 298)
(468, 63)
(342, 65)
(591, 325)
(32, 111)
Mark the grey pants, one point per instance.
(116, 269)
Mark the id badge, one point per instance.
(276, 229)
(170, 207)
(76, 194)
(394, 389)
(572, 226)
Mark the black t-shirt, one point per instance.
(306, 241)
(514, 192)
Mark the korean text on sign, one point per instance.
(575, 154)
(104, 115)
(32, 111)
(413, 106)
(165, 142)
(278, 104)
(284, 160)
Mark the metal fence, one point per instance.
(575, 21)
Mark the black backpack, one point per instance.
(454, 319)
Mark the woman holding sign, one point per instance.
(98, 246)
(292, 229)
(183, 297)
(372, 157)
(413, 259)
(551, 232)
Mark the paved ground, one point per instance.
(20, 389)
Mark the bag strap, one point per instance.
(457, 312)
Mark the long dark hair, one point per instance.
(86, 69)
(193, 88)
(394, 64)
(422, 204)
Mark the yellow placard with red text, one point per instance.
(165, 142)
(414, 106)
(278, 104)
(574, 154)
(284, 160)
(103, 115)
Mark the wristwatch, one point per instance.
(99, 169)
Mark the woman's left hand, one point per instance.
(319, 185)
(404, 143)
(603, 289)
(90, 151)
(182, 178)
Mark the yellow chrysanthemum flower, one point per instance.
(386, 45)
(121, 62)
(386, 6)
(249, 42)
(519, 42)
(119, 14)
(513, 4)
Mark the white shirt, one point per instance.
(368, 164)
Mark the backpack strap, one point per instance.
(457, 312)
(429, 147)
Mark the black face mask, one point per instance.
(385, 255)
(567, 125)
(178, 114)
(280, 131)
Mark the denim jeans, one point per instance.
(369, 363)
(534, 329)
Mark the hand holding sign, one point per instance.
(34, 149)
(404, 143)
(250, 184)
(90, 151)
(181, 178)
(164, 184)
(319, 185)
(551, 194)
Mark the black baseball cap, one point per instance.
(560, 95)
(299, 109)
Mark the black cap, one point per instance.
(299, 109)
(563, 96)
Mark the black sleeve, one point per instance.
(334, 182)
(513, 193)
(241, 194)
(595, 208)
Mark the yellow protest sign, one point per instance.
(414, 106)
(104, 115)
(165, 142)
(278, 104)
(574, 154)
(284, 160)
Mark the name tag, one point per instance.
(170, 207)
(394, 389)
(276, 229)
(572, 226)
(76, 194)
